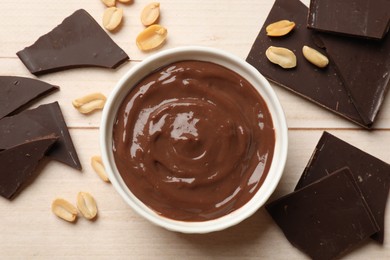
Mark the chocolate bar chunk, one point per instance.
(371, 174)
(364, 68)
(326, 218)
(18, 164)
(38, 122)
(362, 18)
(78, 41)
(18, 92)
(322, 86)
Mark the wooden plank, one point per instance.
(30, 229)
(75, 83)
(207, 23)
(210, 23)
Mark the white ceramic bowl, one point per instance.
(203, 54)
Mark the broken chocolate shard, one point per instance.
(19, 163)
(371, 174)
(364, 68)
(322, 86)
(361, 18)
(34, 123)
(18, 92)
(325, 219)
(78, 41)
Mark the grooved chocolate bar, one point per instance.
(18, 92)
(31, 124)
(362, 18)
(371, 174)
(322, 86)
(327, 218)
(364, 68)
(77, 42)
(18, 164)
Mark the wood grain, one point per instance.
(28, 228)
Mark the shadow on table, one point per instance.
(239, 238)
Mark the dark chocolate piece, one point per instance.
(364, 68)
(326, 218)
(18, 92)
(18, 164)
(362, 18)
(78, 41)
(322, 86)
(34, 123)
(371, 174)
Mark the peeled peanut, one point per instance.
(64, 209)
(125, 1)
(282, 57)
(112, 17)
(87, 205)
(315, 57)
(152, 37)
(89, 103)
(280, 28)
(97, 165)
(109, 3)
(150, 13)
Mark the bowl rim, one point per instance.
(228, 60)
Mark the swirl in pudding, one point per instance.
(193, 141)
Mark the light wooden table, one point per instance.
(27, 226)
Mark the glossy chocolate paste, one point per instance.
(193, 141)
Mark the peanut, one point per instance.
(282, 57)
(64, 209)
(112, 17)
(87, 205)
(89, 103)
(125, 1)
(315, 57)
(152, 37)
(97, 165)
(109, 3)
(280, 28)
(150, 14)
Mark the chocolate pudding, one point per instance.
(193, 141)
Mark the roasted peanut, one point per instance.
(152, 37)
(97, 165)
(125, 1)
(89, 103)
(112, 17)
(64, 209)
(280, 28)
(87, 205)
(150, 13)
(282, 57)
(315, 57)
(109, 3)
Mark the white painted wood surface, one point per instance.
(28, 228)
